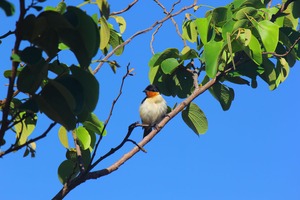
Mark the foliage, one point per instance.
(238, 43)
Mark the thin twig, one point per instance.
(16, 148)
(7, 34)
(103, 172)
(78, 152)
(141, 32)
(287, 52)
(125, 9)
(128, 72)
(152, 38)
(15, 64)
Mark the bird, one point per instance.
(152, 109)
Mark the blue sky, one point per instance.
(250, 152)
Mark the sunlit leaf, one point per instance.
(93, 124)
(104, 33)
(63, 137)
(25, 127)
(189, 31)
(169, 65)
(269, 34)
(121, 21)
(212, 51)
(194, 117)
(202, 28)
(84, 137)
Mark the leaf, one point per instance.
(168, 53)
(169, 65)
(115, 40)
(188, 53)
(31, 77)
(223, 94)
(8, 7)
(202, 28)
(219, 16)
(194, 117)
(269, 34)
(54, 105)
(63, 137)
(84, 137)
(121, 21)
(67, 170)
(104, 33)
(212, 52)
(189, 31)
(25, 127)
(93, 124)
(254, 51)
(31, 55)
(104, 8)
(86, 32)
(90, 86)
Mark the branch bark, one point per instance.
(103, 172)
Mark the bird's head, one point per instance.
(151, 91)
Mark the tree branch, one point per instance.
(103, 172)
(125, 9)
(16, 148)
(128, 73)
(287, 52)
(10, 91)
(284, 6)
(141, 32)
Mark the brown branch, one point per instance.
(78, 152)
(128, 73)
(103, 172)
(10, 91)
(152, 38)
(125, 9)
(284, 6)
(141, 32)
(287, 52)
(16, 148)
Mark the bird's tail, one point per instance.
(147, 130)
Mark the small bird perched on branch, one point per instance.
(153, 108)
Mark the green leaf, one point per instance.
(202, 28)
(254, 51)
(168, 53)
(245, 13)
(115, 40)
(104, 8)
(25, 127)
(84, 137)
(90, 86)
(67, 170)
(93, 124)
(269, 34)
(212, 53)
(104, 33)
(187, 53)
(219, 16)
(223, 94)
(8, 7)
(56, 107)
(31, 55)
(194, 117)
(189, 31)
(63, 137)
(169, 65)
(31, 77)
(121, 21)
